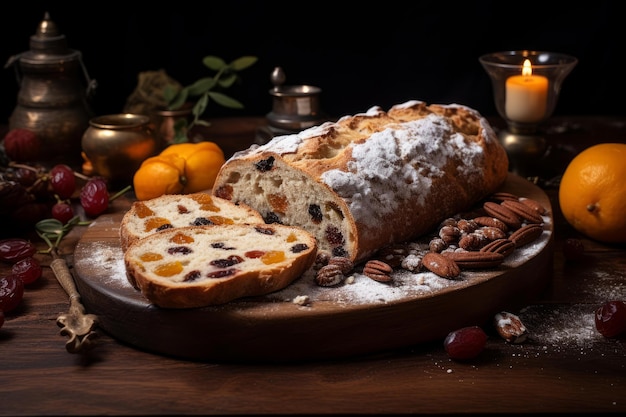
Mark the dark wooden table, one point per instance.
(564, 367)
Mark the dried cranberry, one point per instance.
(94, 197)
(465, 343)
(28, 270)
(15, 249)
(11, 292)
(21, 145)
(610, 318)
(62, 181)
(62, 211)
(26, 177)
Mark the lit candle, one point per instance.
(526, 96)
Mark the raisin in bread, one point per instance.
(200, 266)
(371, 179)
(178, 210)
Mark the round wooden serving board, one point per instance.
(356, 319)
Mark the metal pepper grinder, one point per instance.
(54, 92)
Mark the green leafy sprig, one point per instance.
(52, 231)
(206, 89)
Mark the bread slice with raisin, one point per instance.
(180, 210)
(199, 266)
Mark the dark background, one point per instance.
(360, 55)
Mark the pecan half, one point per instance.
(467, 226)
(534, 204)
(344, 264)
(441, 265)
(523, 211)
(329, 275)
(503, 196)
(475, 260)
(510, 327)
(378, 270)
(491, 222)
(473, 241)
(502, 213)
(437, 245)
(412, 262)
(450, 234)
(526, 234)
(492, 233)
(503, 246)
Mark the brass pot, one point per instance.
(53, 100)
(167, 122)
(115, 145)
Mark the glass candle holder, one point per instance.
(526, 87)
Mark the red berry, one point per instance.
(94, 197)
(63, 212)
(26, 177)
(21, 145)
(611, 318)
(11, 292)
(28, 270)
(15, 249)
(465, 343)
(63, 181)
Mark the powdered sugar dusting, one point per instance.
(107, 263)
(561, 326)
(429, 144)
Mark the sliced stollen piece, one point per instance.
(199, 266)
(372, 179)
(180, 210)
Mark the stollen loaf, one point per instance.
(371, 179)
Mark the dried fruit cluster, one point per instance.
(31, 193)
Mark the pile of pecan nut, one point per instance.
(503, 223)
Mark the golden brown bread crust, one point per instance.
(377, 177)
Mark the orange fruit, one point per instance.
(592, 193)
(158, 175)
(203, 160)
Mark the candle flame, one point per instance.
(527, 69)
